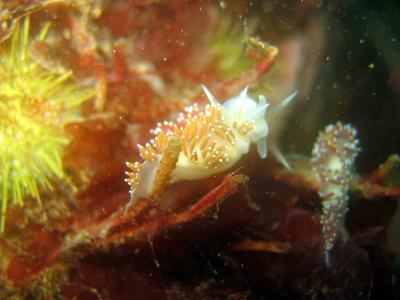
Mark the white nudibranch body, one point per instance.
(214, 138)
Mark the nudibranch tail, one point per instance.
(141, 178)
(150, 178)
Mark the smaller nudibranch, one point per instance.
(213, 140)
(333, 156)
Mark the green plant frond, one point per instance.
(17, 192)
(52, 163)
(228, 44)
(25, 36)
(6, 172)
(35, 106)
(43, 33)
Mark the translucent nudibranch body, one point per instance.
(333, 156)
(214, 137)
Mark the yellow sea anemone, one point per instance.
(35, 105)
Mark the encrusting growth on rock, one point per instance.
(35, 105)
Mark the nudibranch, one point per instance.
(333, 156)
(213, 140)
